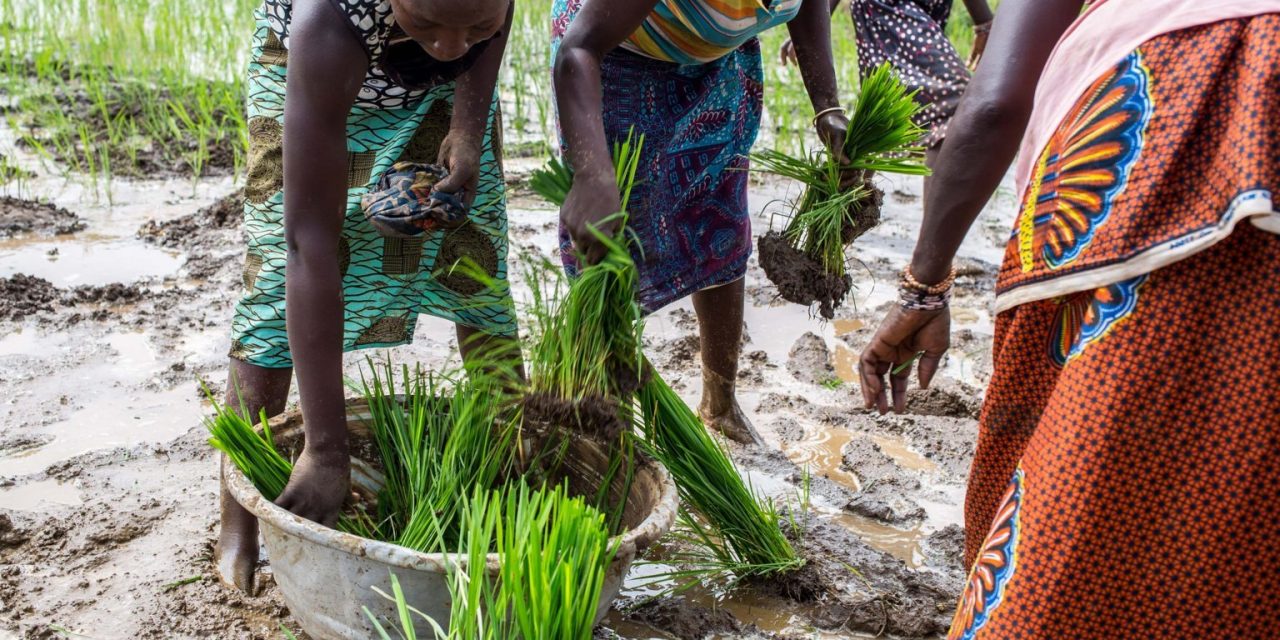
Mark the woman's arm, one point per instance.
(811, 34)
(601, 25)
(981, 143)
(987, 129)
(979, 10)
(326, 68)
(472, 98)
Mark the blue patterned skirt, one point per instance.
(689, 207)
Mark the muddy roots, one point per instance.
(863, 215)
(800, 278)
(594, 416)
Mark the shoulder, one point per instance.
(369, 20)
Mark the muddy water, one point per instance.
(101, 260)
(38, 495)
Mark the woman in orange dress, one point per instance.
(1127, 477)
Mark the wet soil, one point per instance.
(19, 216)
(799, 278)
(104, 402)
(42, 108)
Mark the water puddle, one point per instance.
(845, 362)
(34, 496)
(901, 452)
(821, 452)
(903, 544)
(846, 326)
(26, 341)
(71, 262)
(108, 422)
(771, 614)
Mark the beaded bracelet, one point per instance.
(909, 281)
(982, 28)
(914, 300)
(917, 296)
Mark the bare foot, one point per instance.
(236, 554)
(730, 421)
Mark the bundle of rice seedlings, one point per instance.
(806, 260)
(586, 358)
(554, 180)
(741, 532)
(555, 550)
(435, 444)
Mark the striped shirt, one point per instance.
(701, 31)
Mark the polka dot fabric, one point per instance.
(1127, 478)
(911, 36)
(372, 22)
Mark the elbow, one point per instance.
(569, 60)
(995, 113)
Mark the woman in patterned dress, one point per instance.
(355, 87)
(1127, 477)
(686, 74)
(911, 35)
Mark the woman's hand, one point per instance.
(833, 128)
(902, 336)
(460, 154)
(591, 203)
(319, 485)
(787, 53)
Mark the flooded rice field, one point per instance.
(114, 312)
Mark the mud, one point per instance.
(682, 618)
(19, 216)
(103, 399)
(799, 278)
(22, 296)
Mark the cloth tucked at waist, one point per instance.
(1100, 38)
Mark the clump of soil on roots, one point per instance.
(23, 216)
(802, 279)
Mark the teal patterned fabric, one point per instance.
(386, 282)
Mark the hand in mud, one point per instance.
(787, 53)
(591, 203)
(902, 336)
(460, 154)
(318, 487)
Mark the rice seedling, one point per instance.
(740, 532)
(555, 550)
(839, 203)
(435, 445)
(132, 87)
(586, 360)
(256, 456)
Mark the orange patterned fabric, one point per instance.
(1160, 158)
(1127, 477)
